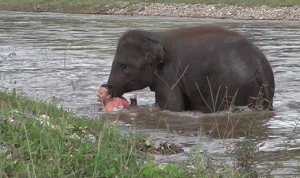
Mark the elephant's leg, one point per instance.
(170, 99)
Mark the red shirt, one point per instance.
(116, 104)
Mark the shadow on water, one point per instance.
(220, 125)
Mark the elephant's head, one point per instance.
(137, 57)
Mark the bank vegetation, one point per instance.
(41, 139)
(231, 9)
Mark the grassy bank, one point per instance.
(40, 139)
(96, 6)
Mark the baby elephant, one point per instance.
(198, 68)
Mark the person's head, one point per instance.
(104, 93)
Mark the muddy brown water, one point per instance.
(63, 58)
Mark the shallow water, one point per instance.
(64, 58)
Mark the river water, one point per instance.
(64, 58)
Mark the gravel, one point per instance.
(219, 11)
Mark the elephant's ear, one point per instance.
(155, 51)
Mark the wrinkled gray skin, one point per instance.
(199, 68)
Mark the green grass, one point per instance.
(97, 6)
(56, 144)
(39, 139)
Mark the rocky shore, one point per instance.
(219, 11)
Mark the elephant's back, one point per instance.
(199, 30)
(197, 35)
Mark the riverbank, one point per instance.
(240, 9)
(40, 139)
(219, 11)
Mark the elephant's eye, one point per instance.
(125, 68)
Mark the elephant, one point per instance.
(203, 68)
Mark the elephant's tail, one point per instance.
(265, 79)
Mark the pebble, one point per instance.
(219, 11)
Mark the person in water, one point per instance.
(109, 103)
